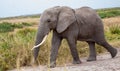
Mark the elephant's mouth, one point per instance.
(36, 46)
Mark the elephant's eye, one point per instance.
(48, 21)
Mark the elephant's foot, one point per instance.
(113, 52)
(52, 64)
(91, 59)
(76, 62)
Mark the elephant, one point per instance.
(81, 24)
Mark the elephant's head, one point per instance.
(56, 18)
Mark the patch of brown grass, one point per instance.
(19, 20)
(111, 21)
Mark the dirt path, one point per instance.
(104, 63)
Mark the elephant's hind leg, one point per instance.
(92, 51)
(107, 46)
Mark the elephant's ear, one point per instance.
(66, 18)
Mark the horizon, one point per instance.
(13, 8)
(25, 15)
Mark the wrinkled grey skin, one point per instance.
(81, 24)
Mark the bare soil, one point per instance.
(104, 63)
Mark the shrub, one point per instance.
(7, 27)
(26, 24)
(17, 25)
(109, 13)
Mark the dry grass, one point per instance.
(17, 51)
(19, 20)
(111, 21)
(107, 21)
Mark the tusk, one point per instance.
(40, 43)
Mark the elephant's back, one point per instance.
(86, 14)
(85, 10)
(89, 21)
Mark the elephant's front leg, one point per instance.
(72, 45)
(56, 41)
(92, 55)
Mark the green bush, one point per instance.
(8, 27)
(106, 13)
(26, 24)
(17, 26)
(5, 27)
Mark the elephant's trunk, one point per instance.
(36, 47)
(40, 38)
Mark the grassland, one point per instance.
(110, 12)
(17, 36)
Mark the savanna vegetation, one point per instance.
(17, 38)
(110, 12)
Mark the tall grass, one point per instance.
(14, 47)
(115, 29)
(113, 33)
(16, 51)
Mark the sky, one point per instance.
(9, 8)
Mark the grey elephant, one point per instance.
(82, 24)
